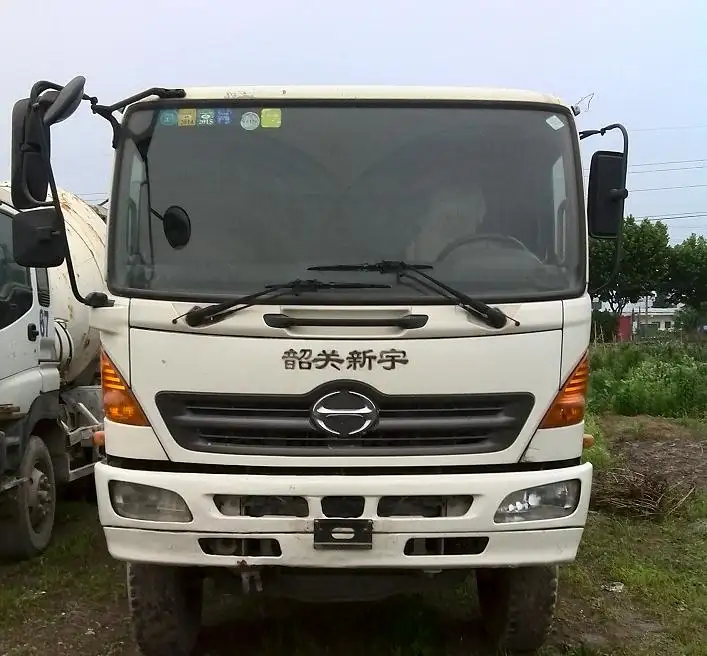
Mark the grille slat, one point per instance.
(281, 424)
(285, 424)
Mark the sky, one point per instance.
(643, 61)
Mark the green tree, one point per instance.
(690, 320)
(688, 273)
(643, 268)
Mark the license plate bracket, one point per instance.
(343, 534)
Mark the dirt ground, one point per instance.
(639, 586)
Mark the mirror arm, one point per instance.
(616, 194)
(106, 111)
(95, 299)
(38, 88)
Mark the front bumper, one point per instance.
(524, 543)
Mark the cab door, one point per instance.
(19, 327)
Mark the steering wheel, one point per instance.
(462, 241)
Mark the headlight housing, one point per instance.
(551, 501)
(148, 503)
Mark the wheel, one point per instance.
(27, 528)
(165, 608)
(517, 606)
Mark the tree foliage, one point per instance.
(643, 269)
(650, 265)
(688, 273)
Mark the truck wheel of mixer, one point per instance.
(165, 608)
(517, 606)
(30, 508)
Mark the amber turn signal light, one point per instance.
(119, 403)
(569, 405)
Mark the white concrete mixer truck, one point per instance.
(344, 337)
(50, 397)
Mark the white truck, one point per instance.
(344, 341)
(50, 395)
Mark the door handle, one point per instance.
(32, 332)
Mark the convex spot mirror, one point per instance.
(607, 194)
(66, 102)
(177, 226)
(37, 238)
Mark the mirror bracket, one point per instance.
(619, 194)
(98, 300)
(106, 111)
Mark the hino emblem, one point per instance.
(344, 413)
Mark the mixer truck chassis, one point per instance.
(38, 454)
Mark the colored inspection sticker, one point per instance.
(205, 116)
(271, 117)
(555, 122)
(186, 118)
(168, 117)
(224, 116)
(250, 121)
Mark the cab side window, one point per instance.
(15, 281)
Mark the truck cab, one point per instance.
(344, 345)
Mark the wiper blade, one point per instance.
(384, 266)
(198, 316)
(490, 315)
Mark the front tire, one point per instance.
(518, 606)
(29, 511)
(165, 608)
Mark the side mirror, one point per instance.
(177, 226)
(37, 238)
(607, 194)
(29, 172)
(31, 136)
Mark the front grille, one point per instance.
(281, 424)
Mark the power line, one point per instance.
(669, 127)
(674, 161)
(675, 168)
(699, 162)
(672, 217)
(585, 173)
(636, 191)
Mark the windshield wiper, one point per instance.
(198, 316)
(492, 316)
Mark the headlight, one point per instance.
(152, 504)
(550, 501)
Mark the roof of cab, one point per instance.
(333, 92)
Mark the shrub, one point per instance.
(665, 378)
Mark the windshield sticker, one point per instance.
(187, 118)
(168, 117)
(306, 359)
(250, 121)
(224, 117)
(206, 117)
(271, 117)
(555, 122)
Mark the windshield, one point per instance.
(486, 194)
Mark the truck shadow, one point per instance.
(407, 625)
